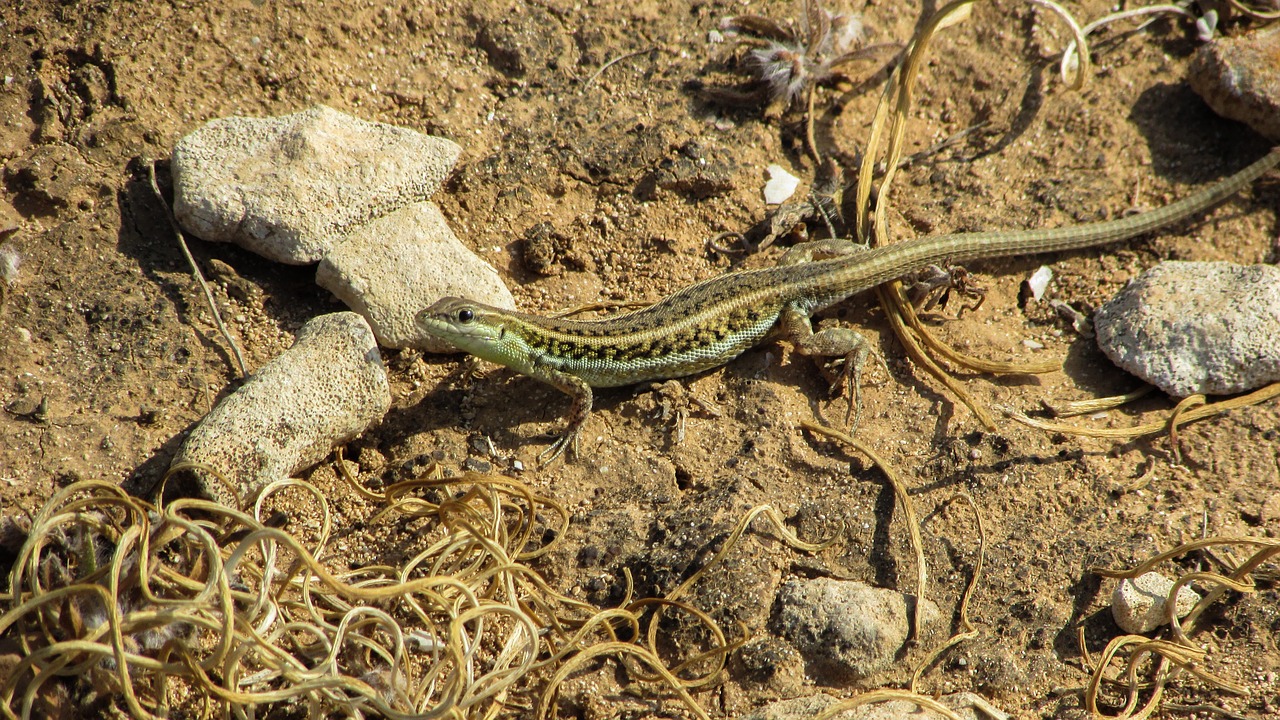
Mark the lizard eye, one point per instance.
(466, 316)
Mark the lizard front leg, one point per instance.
(844, 344)
(576, 388)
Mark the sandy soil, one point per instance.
(107, 356)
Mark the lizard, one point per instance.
(709, 323)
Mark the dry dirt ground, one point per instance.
(107, 356)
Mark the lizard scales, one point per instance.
(711, 322)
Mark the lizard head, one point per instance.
(482, 330)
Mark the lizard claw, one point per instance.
(568, 440)
(845, 374)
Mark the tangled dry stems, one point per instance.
(1150, 663)
(142, 599)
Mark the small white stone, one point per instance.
(781, 185)
(1039, 281)
(1138, 604)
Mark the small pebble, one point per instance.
(1039, 281)
(781, 185)
(1138, 604)
(1196, 327)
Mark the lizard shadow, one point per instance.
(498, 403)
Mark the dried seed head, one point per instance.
(783, 68)
(846, 33)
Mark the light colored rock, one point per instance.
(800, 708)
(1239, 77)
(845, 629)
(1138, 604)
(326, 389)
(1196, 327)
(290, 188)
(389, 269)
(965, 704)
(781, 185)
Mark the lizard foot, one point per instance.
(568, 440)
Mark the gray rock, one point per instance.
(800, 708)
(965, 704)
(845, 629)
(1240, 79)
(1139, 604)
(389, 269)
(326, 389)
(1196, 327)
(289, 188)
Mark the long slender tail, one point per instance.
(914, 253)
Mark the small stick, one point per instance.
(612, 62)
(195, 270)
(903, 497)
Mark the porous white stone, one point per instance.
(969, 706)
(1139, 604)
(1238, 78)
(1196, 327)
(289, 188)
(326, 389)
(389, 269)
(845, 629)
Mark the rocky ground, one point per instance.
(584, 183)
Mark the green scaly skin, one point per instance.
(709, 323)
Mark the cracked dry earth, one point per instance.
(607, 191)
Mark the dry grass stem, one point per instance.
(1093, 405)
(1189, 416)
(241, 366)
(967, 631)
(904, 499)
(1178, 654)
